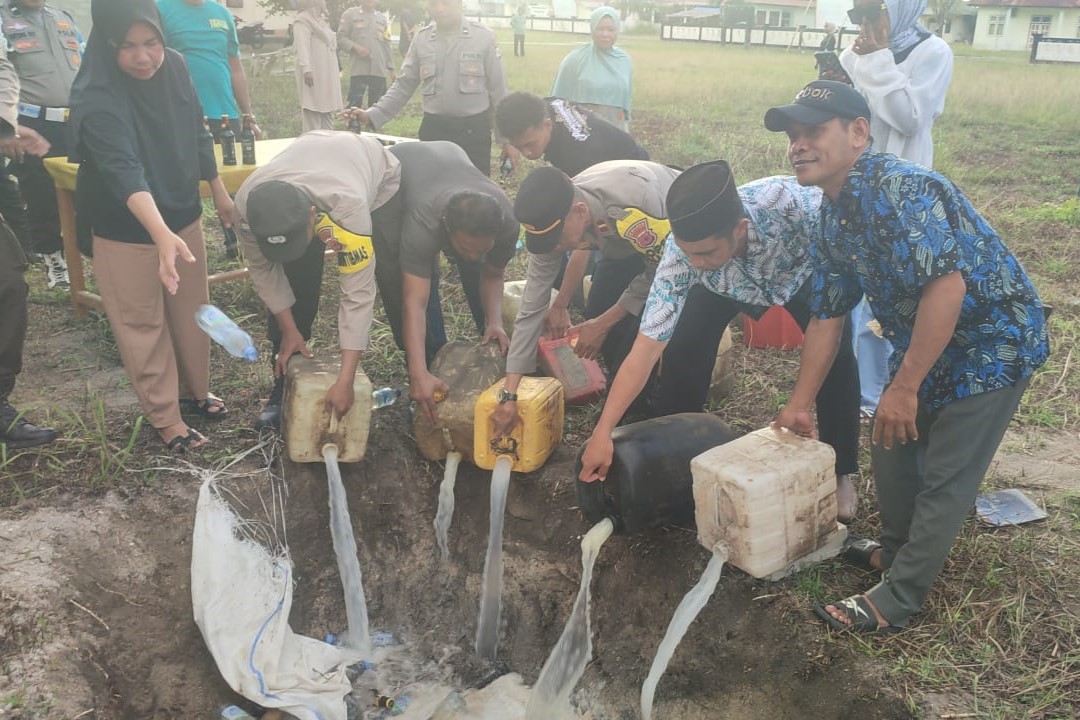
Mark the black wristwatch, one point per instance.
(504, 396)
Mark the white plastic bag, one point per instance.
(241, 593)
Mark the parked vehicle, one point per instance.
(253, 34)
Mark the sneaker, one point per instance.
(57, 269)
(16, 432)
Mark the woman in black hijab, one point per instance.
(137, 129)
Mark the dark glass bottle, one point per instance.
(354, 123)
(247, 143)
(649, 482)
(507, 167)
(228, 142)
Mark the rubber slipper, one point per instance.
(182, 443)
(858, 611)
(212, 407)
(859, 551)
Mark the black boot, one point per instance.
(270, 417)
(16, 432)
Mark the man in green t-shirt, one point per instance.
(517, 22)
(205, 34)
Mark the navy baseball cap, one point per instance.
(819, 102)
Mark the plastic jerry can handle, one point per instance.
(505, 446)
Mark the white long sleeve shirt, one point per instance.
(904, 98)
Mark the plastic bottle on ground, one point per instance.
(232, 712)
(226, 333)
(384, 397)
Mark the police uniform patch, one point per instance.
(354, 252)
(645, 233)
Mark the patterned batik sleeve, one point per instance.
(835, 288)
(673, 280)
(918, 212)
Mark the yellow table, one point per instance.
(63, 174)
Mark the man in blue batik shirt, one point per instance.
(967, 328)
(730, 250)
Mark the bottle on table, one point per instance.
(247, 143)
(225, 332)
(228, 142)
(354, 123)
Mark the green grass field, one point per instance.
(1002, 629)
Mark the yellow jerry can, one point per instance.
(540, 405)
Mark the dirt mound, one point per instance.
(97, 610)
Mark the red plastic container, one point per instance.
(775, 329)
(582, 380)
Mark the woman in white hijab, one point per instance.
(903, 70)
(318, 76)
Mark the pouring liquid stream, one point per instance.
(358, 635)
(685, 614)
(445, 513)
(566, 664)
(487, 631)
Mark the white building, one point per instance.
(1010, 24)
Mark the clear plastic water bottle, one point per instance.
(232, 712)
(384, 397)
(226, 333)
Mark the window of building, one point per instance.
(772, 18)
(997, 26)
(1040, 25)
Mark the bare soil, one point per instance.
(95, 608)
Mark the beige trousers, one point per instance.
(313, 120)
(163, 350)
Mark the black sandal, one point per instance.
(859, 552)
(182, 443)
(858, 611)
(212, 407)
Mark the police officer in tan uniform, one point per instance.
(317, 193)
(15, 431)
(457, 65)
(44, 47)
(620, 208)
(364, 33)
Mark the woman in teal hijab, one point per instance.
(598, 76)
